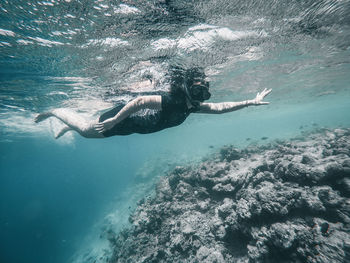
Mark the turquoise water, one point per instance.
(57, 195)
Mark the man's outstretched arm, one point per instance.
(144, 102)
(223, 107)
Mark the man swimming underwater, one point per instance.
(186, 96)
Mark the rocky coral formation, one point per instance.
(287, 201)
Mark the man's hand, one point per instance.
(106, 125)
(260, 96)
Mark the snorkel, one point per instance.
(197, 92)
(191, 83)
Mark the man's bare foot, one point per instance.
(62, 131)
(42, 116)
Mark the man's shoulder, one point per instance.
(173, 101)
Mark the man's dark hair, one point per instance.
(180, 77)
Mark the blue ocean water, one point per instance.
(56, 195)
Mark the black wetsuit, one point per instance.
(174, 112)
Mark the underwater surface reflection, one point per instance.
(57, 197)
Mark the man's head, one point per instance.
(199, 91)
(197, 88)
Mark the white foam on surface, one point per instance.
(72, 79)
(24, 42)
(125, 9)
(163, 43)
(104, 6)
(58, 93)
(46, 3)
(109, 41)
(3, 43)
(69, 16)
(5, 32)
(45, 42)
(204, 36)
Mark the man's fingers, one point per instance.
(267, 92)
(99, 127)
(264, 93)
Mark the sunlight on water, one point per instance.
(89, 55)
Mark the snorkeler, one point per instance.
(152, 113)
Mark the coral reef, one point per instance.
(286, 201)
